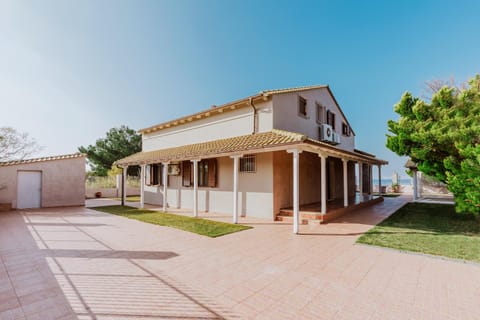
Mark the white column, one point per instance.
(165, 182)
(360, 178)
(195, 188)
(345, 182)
(124, 185)
(380, 179)
(323, 182)
(414, 185)
(235, 187)
(296, 202)
(142, 186)
(370, 176)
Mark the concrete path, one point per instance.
(72, 263)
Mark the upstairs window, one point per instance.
(331, 119)
(345, 129)
(248, 163)
(320, 114)
(302, 107)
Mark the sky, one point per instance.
(71, 70)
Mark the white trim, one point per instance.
(210, 123)
(323, 182)
(142, 186)
(165, 182)
(345, 182)
(235, 187)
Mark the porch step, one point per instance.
(5, 207)
(306, 217)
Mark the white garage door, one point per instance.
(29, 189)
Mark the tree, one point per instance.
(16, 145)
(443, 137)
(119, 143)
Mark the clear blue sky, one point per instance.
(70, 70)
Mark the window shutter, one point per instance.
(147, 174)
(212, 173)
(186, 174)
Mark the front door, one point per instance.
(29, 189)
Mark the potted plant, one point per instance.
(395, 187)
(98, 194)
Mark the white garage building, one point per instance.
(43, 182)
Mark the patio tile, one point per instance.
(68, 263)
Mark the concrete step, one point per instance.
(5, 206)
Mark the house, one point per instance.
(273, 154)
(43, 182)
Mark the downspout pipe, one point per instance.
(255, 115)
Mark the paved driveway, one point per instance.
(78, 263)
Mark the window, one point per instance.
(207, 173)
(248, 163)
(320, 114)
(345, 129)
(331, 119)
(153, 175)
(302, 107)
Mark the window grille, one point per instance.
(248, 163)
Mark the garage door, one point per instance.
(29, 189)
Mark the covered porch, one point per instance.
(328, 174)
(312, 213)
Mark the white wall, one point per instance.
(255, 197)
(219, 126)
(285, 115)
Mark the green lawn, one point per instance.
(428, 228)
(130, 199)
(200, 226)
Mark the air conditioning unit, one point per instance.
(325, 132)
(335, 138)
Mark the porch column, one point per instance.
(124, 185)
(370, 177)
(360, 178)
(195, 188)
(379, 179)
(415, 185)
(165, 182)
(296, 205)
(323, 182)
(142, 185)
(345, 182)
(235, 187)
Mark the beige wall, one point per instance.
(255, 197)
(63, 182)
(285, 115)
(218, 126)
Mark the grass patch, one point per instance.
(203, 227)
(428, 228)
(130, 199)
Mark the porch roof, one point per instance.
(274, 140)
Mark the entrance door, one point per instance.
(29, 189)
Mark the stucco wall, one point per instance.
(255, 198)
(285, 115)
(218, 126)
(309, 179)
(63, 182)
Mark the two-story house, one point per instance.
(278, 152)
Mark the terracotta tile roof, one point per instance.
(43, 159)
(293, 89)
(251, 143)
(238, 144)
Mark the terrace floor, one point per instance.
(69, 263)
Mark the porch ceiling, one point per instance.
(274, 140)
